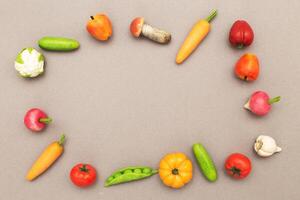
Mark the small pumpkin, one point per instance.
(175, 170)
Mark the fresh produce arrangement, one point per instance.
(260, 103)
(83, 175)
(175, 169)
(46, 159)
(139, 28)
(30, 63)
(36, 120)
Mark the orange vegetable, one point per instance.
(46, 159)
(99, 26)
(195, 36)
(175, 170)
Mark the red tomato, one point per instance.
(238, 166)
(83, 175)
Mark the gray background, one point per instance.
(126, 102)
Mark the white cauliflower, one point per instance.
(29, 63)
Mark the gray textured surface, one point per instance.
(126, 102)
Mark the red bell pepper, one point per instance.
(241, 34)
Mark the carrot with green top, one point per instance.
(46, 159)
(195, 36)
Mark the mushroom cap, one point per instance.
(136, 26)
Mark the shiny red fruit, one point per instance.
(238, 166)
(247, 67)
(241, 34)
(83, 175)
(99, 26)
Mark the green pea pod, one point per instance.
(205, 162)
(58, 44)
(129, 174)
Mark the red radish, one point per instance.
(36, 120)
(260, 103)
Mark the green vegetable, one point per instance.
(129, 174)
(58, 44)
(19, 57)
(205, 162)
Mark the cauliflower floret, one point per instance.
(29, 63)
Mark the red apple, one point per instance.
(247, 67)
(99, 26)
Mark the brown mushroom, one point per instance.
(138, 28)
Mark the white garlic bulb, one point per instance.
(266, 146)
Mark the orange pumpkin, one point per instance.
(175, 170)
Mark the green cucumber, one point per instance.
(205, 162)
(58, 44)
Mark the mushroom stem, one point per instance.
(156, 34)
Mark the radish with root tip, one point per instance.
(260, 103)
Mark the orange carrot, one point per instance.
(195, 36)
(46, 159)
